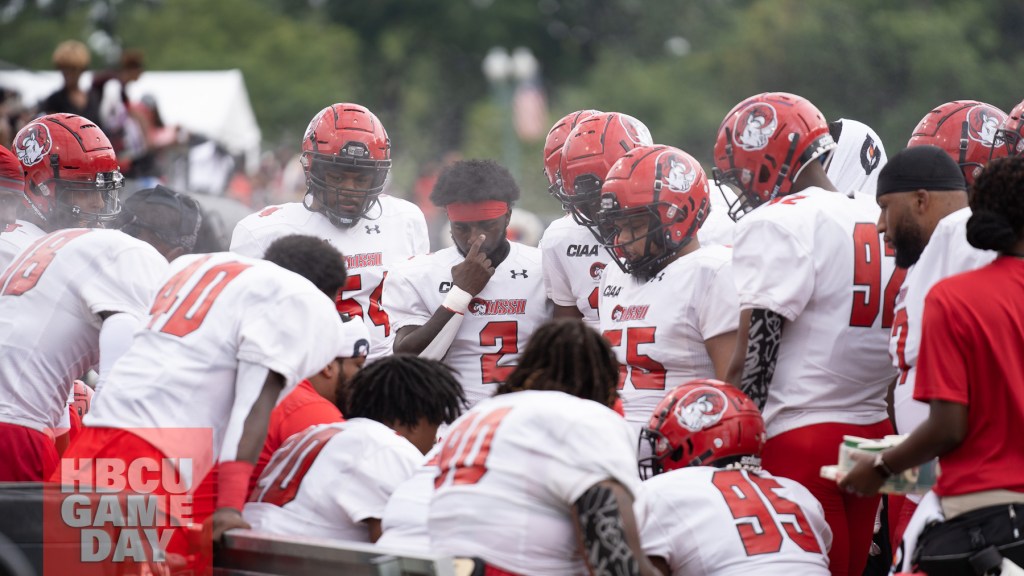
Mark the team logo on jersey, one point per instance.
(755, 124)
(632, 312)
(366, 260)
(33, 143)
(501, 306)
(676, 172)
(597, 270)
(701, 408)
(983, 122)
(636, 130)
(870, 155)
(581, 250)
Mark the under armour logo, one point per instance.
(518, 274)
(375, 228)
(660, 277)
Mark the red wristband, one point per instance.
(233, 483)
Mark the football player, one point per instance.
(704, 485)
(475, 304)
(507, 494)
(70, 302)
(314, 401)
(967, 130)
(1011, 133)
(669, 308)
(12, 186)
(572, 258)
(346, 156)
(71, 180)
(816, 290)
(857, 158)
(334, 480)
(227, 336)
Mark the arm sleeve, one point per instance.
(405, 307)
(772, 268)
(372, 482)
(721, 310)
(942, 364)
(116, 336)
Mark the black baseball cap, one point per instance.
(182, 233)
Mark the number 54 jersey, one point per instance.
(498, 323)
(706, 521)
(815, 258)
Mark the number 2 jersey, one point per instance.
(371, 248)
(498, 323)
(815, 258)
(212, 312)
(326, 481)
(510, 471)
(51, 297)
(658, 327)
(709, 522)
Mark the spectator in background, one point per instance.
(72, 59)
(122, 124)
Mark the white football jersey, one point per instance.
(658, 328)
(51, 298)
(326, 481)
(718, 228)
(511, 469)
(815, 257)
(393, 233)
(573, 265)
(498, 324)
(16, 238)
(214, 311)
(405, 517)
(947, 253)
(709, 522)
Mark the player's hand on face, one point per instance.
(225, 519)
(473, 273)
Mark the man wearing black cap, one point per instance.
(167, 220)
(923, 197)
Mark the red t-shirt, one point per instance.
(300, 409)
(972, 353)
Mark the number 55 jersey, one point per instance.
(815, 258)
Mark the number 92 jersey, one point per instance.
(498, 323)
(704, 521)
(815, 258)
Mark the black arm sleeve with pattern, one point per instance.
(763, 340)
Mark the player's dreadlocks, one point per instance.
(997, 203)
(403, 389)
(474, 181)
(568, 356)
(311, 258)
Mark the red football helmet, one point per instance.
(71, 172)
(663, 184)
(703, 423)
(553, 146)
(589, 152)
(346, 155)
(764, 144)
(967, 130)
(1011, 133)
(12, 187)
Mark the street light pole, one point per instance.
(505, 73)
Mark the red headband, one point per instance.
(476, 211)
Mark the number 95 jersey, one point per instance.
(815, 258)
(704, 521)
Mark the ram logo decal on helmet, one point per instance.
(636, 130)
(755, 125)
(701, 408)
(33, 144)
(679, 174)
(983, 122)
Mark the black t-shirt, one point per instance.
(59, 102)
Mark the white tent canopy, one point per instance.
(214, 104)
